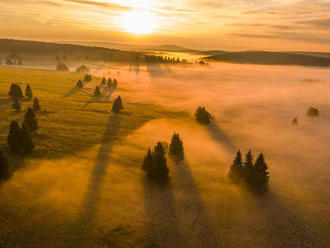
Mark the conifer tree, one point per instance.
(176, 150)
(26, 140)
(15, 91)
(4, 167)
(236, 170)
(103, 82)
(97, 92)
(249, 168)
(30, 121)
(110, 83)
(261, 175)
(115, 84)
(14, 137)
(148, 163)
(80, 84)
(36, 105)
(203, 116)
(117, 105)
(28, 92)
(17, 105)
(160, 170)
(295, 122)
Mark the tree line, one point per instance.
(110, 84)
(153, 59)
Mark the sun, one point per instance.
(139, 22)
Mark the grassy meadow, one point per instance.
(83, 185)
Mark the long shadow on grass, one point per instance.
(220, 136)
(162, 217)
(198, 228)
(107, 96)
(71, 92)
(284, 227)
(155, 70)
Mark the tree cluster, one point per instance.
(153, 59)
(117, 105)
(112, 84)
(4, 167)
(19, 139)
(88, 78)
(203, 116)
(30, 120)
(254, 175)
(62, 67)
(313, 112)
(176, 150)
(155, 163)
(82, 69)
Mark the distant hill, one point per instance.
(273, 58)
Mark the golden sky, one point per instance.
(204, 24)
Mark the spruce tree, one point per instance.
(103, 82)
(28, 92)
(148, 163)
(236, 173)
(26, 140)
(15, 91)
(14, 140)
(203, 116)
(17, 105)
(115, 84)
(249, 168)
(97, 92)
(110, 83)
(261, 175)
(117, 105)
(36, 105)
(4, 167)
(295, 122)
(176, 150)
(80, 84)
(30, 120)
(160, 170)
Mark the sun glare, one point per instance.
(139, 22)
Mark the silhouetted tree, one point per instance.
(261, 174)
(202, 116)
(176, 150)
(104, 81)
(4, 167)
(160, 170)
(19, 140)
(295, 122)
(248, 167)
(28, 92)
(313, 112)
(115, 84)
(17, 105)
(236, 173)
(88, 78)
(148, 163)
(97, 92)
(110, 83)
(36, 105)
(117, 105)
(15, 91)
(30, 120)
(26, 140)
(80, 84)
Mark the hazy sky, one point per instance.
(206, 24)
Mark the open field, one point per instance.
(83, 186)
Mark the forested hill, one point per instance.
(273, 58)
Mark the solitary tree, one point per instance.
(236, 173)
(36, 105)
(176, 150)
(202, 116)
(97, 92)
(4, 167)
(30, 120)
(28, 92)
(17, 105)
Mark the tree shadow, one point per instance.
(161, 213)
(71, 92)
(155, 70)
(285, 228)
(95, 99)
(220, 136)
(199, 230)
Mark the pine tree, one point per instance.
(15, 91)
(97, 92)
(80, 84)
(236, 173)
(110, 83)
(4, 167)
(30, 120)
(202, 116)
(176, 150)
(103, 82)
(261, 174)
(117, 105)
(28, 92)
(26, 140)
(115, 84)
(249, 168)
(17, 105)
(36, 105)
(14, 137)
(160, 170)
(148, 163)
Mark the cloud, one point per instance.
(323, 23)
(107, 5)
